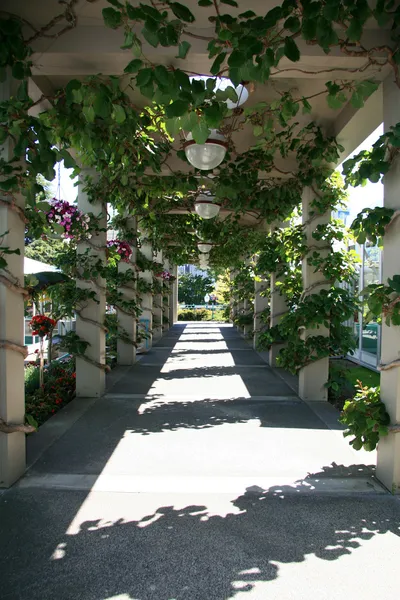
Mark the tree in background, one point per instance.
(193, 288)
(46, 251)
(222, 287)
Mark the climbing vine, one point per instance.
(94, 124)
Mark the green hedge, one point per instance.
(194, 314)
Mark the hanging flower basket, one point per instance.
(165, 275)
(67, 216)
(120, 248)
(42, 325)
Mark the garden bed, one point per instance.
(345, 375)
(58, 389)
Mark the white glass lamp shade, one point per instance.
(242, 95)
(205, 207)
(204, 247)
(206, 156)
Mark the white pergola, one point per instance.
(90, 48)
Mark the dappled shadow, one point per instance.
(204, 550)
(156, 415)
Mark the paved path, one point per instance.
(199, 476)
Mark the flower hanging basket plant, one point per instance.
(73, 223)
(119, 248)
(42, 325)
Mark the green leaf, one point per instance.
(309, 28)
(182, 12)
(292, 24)
(213, 115)
(183, 49)
(18, 70)
(119, 113)
(236, 59)
(357, 100)
(129, 39)
(144, 77)
(151, 37)
(69, 162)
(133, 66)
(205, 3)
(306, 106)
(102, 106)
(77, 96)
(8, 184)
(354, 30)
(249, 14)
(188, 121)
(216, 66)
(230, 3)
(89, 113)
(291, 50)
(161, 75)
(200, 132)
(176, 109)
(112, 18)
(173, 126)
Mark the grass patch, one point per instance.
(366, 376)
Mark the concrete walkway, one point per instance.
(199, 476)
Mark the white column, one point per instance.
(240, 311)
(260, 304)
(127, 323)
(247, 309)
(278, 310)
(166, 299)
(313, 377)
(12, 393)
(234, 308)
(147, 298)
(173, 301)
(90, 374)
(158, 304)
(388, 466)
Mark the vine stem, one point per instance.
(15, 208)
(14, 428)
(69, 15)
(395, 215)
(314, 285)
(15, 347)
(92, 321)
(18, 289)
(102, 366)
(390, 365)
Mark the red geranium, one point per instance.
(42, 325)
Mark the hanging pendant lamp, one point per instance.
(206, 156)
(204, 247)
(205, 207)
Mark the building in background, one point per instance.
(192, 270)
(369, 270)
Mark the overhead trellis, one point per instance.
(128, 128)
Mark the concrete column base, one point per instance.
(260, 304)
(312, 381)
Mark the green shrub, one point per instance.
(194, 314)
(31, 379)
(57, 391)
(366, 418)
(244, 319)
